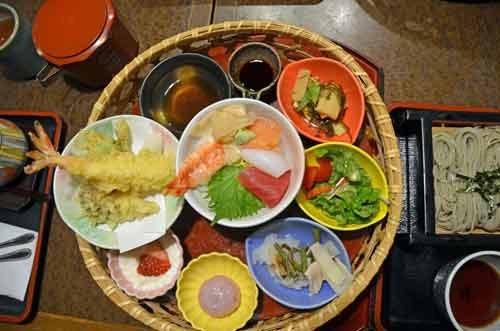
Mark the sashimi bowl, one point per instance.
(240, 163)
(115, 155)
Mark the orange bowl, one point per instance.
(327, 70)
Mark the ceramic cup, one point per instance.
(443, 283)
(18, 57)
(13, 146)
(251, 52)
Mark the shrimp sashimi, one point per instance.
(197, 168)
(143, 174)
(267, 134)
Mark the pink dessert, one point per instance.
(219, 296)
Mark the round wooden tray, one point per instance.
(292, 43)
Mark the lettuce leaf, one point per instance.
(358, 201)
(228, 198)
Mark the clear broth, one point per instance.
(6, 28)
(182, 94)
(184, 99)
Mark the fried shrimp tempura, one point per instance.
(143, 174)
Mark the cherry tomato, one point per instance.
(324, 171)
(309, 177)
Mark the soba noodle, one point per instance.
(466, 151)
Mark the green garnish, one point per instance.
(487, 184)
(293, 261)
(311, 96)
(243, 136)
(228, 198)
(357, 201)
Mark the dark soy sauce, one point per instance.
(475, 294)
(256, 74)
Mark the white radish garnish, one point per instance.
(270, 162)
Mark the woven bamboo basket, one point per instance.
(121, 95)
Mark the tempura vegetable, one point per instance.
(113, 208)
(123, 138)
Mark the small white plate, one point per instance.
(128, 235)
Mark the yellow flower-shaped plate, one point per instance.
(202, 269)
(372, 169)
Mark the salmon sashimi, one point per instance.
(197, 168)
(267, 134)
(267, 188)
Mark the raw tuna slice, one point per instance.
(265, 187)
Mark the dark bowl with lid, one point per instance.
(177, 88)
(85, 40)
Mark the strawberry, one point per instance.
(154, 261)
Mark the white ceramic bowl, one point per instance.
(290, 144)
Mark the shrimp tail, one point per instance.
(45, 152)
(176, 187)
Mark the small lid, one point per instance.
(66, 28)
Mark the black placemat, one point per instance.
(418, 253)
(29, 213)
(413, 128)
(407, 300)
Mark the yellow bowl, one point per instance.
(372, 169)
(203, 268)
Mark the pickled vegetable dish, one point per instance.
(321, 104)
(294, 265)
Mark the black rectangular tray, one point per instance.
(31, 212)
(413, 127)
(407, 297)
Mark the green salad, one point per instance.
(341, 187)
